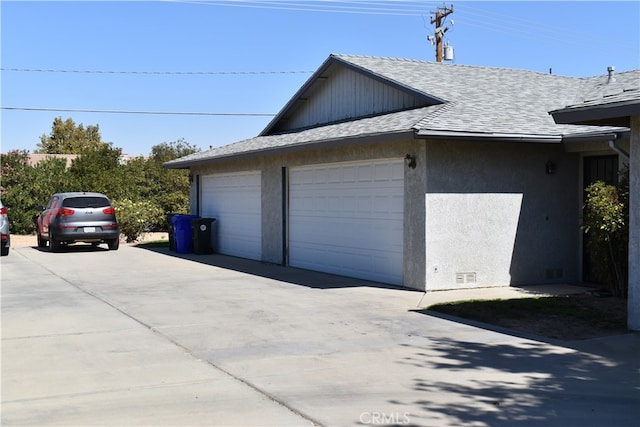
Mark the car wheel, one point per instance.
(42, 242)
(114, 244)
(4, 251)
(54, 244)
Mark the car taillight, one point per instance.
(109, 211)
(65, 212)
(3, 211)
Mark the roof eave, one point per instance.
(615, 114)
(497, 137)
(370, 138)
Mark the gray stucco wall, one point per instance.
(494, 214)
(469, 207)
(633, 304)
(271, 166)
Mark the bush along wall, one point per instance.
(606, 228)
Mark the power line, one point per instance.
(329, 6)
(42, 70)
(515, 26)
(176, 113)
(473, 16)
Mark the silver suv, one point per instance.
(78, 217)
(4, 231)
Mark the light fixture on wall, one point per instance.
(550, 168)
(410, 161)
(190, 178)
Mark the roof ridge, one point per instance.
(469, 66)
(348, 55)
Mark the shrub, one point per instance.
(606, 225)
(136, 218)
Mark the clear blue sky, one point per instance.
(254, 55)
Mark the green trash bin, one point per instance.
(201, 234)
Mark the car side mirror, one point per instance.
(40, 208)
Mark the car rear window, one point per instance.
(86, 202)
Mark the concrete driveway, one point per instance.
(146, 338)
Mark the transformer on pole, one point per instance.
(437, 18)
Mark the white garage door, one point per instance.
(234, 201)
(347, 219)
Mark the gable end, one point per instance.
(341, 91)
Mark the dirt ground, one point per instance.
(602, 316)
(18, 241)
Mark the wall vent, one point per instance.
(465, 278)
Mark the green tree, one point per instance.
(137, 185)
(132, 180)
(98, 169)
(24, 187)
(16, 172)
(606, 224)
(67, 138)
(169, 187)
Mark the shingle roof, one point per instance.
(604, 102)
(486, 99)
(478, 101)
(599, 90)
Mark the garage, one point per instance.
(234, 201)
(347, 219)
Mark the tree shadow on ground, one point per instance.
(522, 382)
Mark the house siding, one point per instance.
(347, 95)
(493, 211)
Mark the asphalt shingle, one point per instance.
(478, 100)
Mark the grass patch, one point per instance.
(560, 317)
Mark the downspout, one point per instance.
(615, 147)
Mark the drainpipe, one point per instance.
(615, 147)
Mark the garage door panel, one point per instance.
(349, 262)
(235, 201)
(348, 219)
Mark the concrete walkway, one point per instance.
(145, 338)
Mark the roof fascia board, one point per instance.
(325, 143)
(499, 137)
(595, 113)
(596, 137)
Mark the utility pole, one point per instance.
(438, 19)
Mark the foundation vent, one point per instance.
(465, 278)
